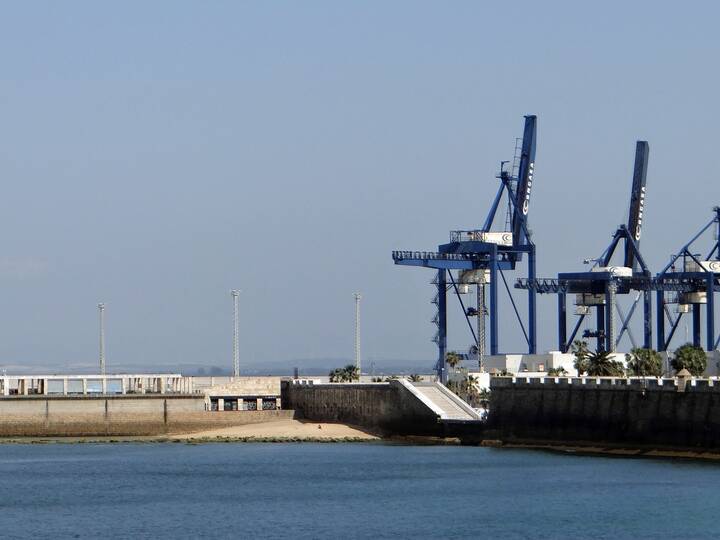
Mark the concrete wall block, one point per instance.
(654, 414)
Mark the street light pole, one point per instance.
(101, 312)
(357, 297)
(236, 332)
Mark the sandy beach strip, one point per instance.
(284, 429)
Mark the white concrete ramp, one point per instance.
(446, 404)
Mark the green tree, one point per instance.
(644, 363)
(415, 378)
(691, 358)
(601, 364)
(484, 398)
(453, 359)
(473, 393)
(349, 373)
(352, 373)
(582, 354)
(557, 372)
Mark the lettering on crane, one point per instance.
(641, 208)
(526, 202)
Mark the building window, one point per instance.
(250, 404)
(230, 404)
(213, 404)
(269, 404)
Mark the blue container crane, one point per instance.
(480, 258)
(690, 281)
(597, 289)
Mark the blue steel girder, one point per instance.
(592, 283)
(541, 285)
(466, 252)
(688, 282)
(473, 255)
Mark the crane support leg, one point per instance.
(660, 306)
(442, 325)
(710, 312)
(494, 302)
(610, 317)
(600, 321)
(532, 305)
(562, 322)
(696, 322)
(647, 319)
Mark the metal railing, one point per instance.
(433, 255)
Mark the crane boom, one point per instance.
(524, 180)
(637, 201)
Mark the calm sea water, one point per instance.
(347, 491)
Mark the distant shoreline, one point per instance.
(619, 451)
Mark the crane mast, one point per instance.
(524, 181)
(637, 201)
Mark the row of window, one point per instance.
(248, 404)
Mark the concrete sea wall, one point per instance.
(380, 407)
(60, 416)
(652, 412)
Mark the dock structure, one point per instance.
(396, 407)
(95, 384)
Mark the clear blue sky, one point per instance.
(154, 155)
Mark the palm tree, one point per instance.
(484, 398)
(453, 359)
(352, 373)
(601, 364)
(581, 352)
(415, 378)
(473, 394)
(349, 373)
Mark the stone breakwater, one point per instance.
(660, 413)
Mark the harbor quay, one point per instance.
(152, 404)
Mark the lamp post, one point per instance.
(235, 293)
(101, 313)
(357, 297)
